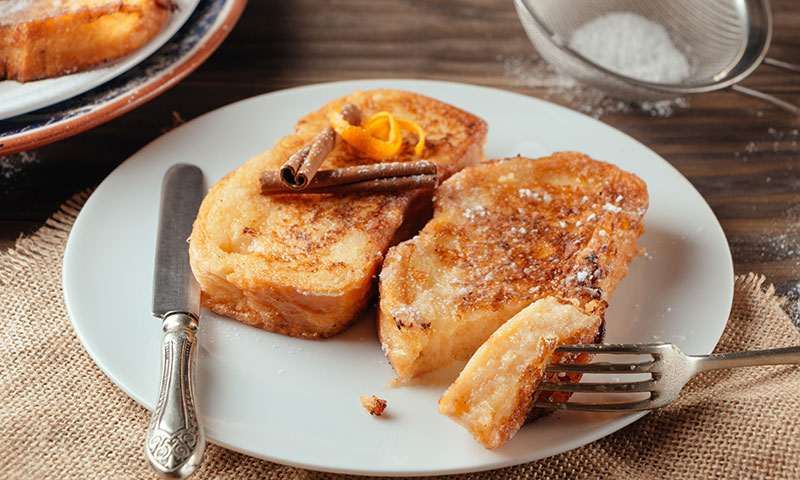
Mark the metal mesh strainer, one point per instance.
(724, 41)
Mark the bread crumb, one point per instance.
(374, 405)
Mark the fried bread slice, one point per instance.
(47, 38)
(305, 265)
(494, 394)
(504, 234)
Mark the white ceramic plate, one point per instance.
(17, 98)
(297, 401)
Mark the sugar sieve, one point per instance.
(724, 41)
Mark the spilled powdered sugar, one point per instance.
(786, 248)
(778, 140)
(11, 165)
(533, 72)
(792, 305)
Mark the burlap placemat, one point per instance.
(62, 418)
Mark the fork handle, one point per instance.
(775, 356)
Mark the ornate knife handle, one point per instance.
(175, 438)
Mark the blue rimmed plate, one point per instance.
(115, 92)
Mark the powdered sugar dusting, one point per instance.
(477, 211)
(10, 7)
(528, 193)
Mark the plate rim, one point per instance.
(618, 423)
(135, 97)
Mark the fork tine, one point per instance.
(643, 386)
(647, 404)
(602, 367)
(620, 348)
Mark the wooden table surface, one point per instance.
(741, 154)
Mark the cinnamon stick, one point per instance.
(377, 185)
(300, 168)
(380, 177)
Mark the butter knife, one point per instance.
(175, 439)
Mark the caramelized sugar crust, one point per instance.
(305, 265)
(504, 234)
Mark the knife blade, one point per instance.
(175, 438)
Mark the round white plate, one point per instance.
(296, 401)
(17, 98)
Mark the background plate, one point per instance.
(297, 401)
(17, 98)
(117, 92)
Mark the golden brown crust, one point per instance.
(49, 38)
(305, 265)
(495, 392)
(505, 233)
(527, 396)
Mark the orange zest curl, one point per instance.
(380, 135)
(410, 126)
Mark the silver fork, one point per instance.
(669, 369)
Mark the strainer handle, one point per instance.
(781, 64)
(789, 107)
